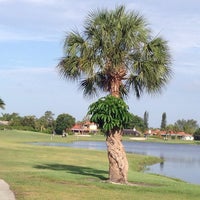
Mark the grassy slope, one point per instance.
(59, 173)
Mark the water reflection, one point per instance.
(180, 161)
(162, 162)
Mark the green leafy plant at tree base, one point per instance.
(110, 113)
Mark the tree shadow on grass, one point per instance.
(87, 171)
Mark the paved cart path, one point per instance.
(5, 192)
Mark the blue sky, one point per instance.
(31, 40)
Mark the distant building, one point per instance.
(4, 122)
(172, 135)
(131, 132)
(184, 136)
(85, 127)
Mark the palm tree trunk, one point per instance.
(118, 163)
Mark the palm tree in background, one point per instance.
(2, 104)
(116, 54)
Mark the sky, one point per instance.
(32, 34)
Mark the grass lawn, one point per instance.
(61, 173)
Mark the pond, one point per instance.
(180, 160)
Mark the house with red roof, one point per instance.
(171, 134)
(85, 128)
(184, 136)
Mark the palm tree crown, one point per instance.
(116, 53)
(2, 104)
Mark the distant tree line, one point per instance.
(48, 123)
(45, 123)
(188, 126)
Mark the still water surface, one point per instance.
(180, 160)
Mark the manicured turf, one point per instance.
(60, 173)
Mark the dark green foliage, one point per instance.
(110, 113)
(29, 121)
(136, 122)
(197, 134)
(146, 119)
(188, 126)
(46, 123)
(63, 122)
(163, 121)
(2, 104)
(10, 117)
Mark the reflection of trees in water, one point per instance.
(184, 162)
(138, 152)
(162, 162)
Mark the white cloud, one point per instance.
(177, 21)
(32, 1)
(5, 1)
(49, 19)
(185, 34)
(7, 34)
(21, 71)
(50, 2)
(37, 19)
(29, 81)
(189, 69)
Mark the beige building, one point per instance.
(86, 127)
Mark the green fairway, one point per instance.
(61, 173)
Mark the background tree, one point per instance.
(163, 121)
(13, 118)
(171, 127)
(197, 134)
(136, 122)
(47, 122)
(21, 123)
(8, 117)
(2, 104)
(188, 126)
(86, 118)
(116, 54)
(29, 121)
(63, 122)
(146, 120)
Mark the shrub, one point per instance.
(197, 134)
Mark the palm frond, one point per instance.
(2, 104)
(88, 87)
(111, 41)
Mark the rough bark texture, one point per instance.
(118, 163)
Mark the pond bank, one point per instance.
(180, 160)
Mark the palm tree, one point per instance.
(2, 104)
(116, 54)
